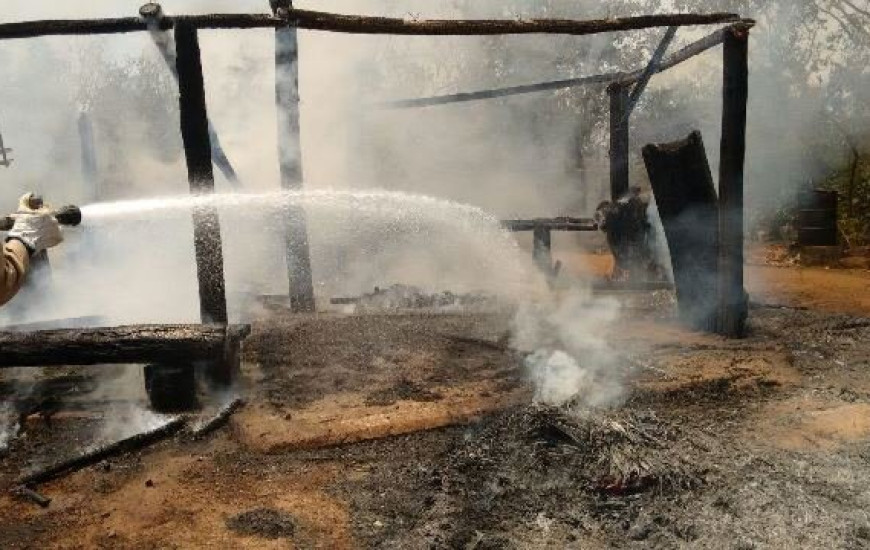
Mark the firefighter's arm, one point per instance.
(13, 269)
(34, 230)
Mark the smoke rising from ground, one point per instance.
(571, 359)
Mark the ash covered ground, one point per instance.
(418, 430)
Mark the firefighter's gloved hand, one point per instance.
(36, 228)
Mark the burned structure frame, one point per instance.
(624, 91)
(286, 20)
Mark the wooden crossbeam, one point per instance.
(551, 224)
(355, 24)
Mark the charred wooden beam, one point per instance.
(692, 50)
(101, 453)
(686, 199)
(153, 14)
(290, 158)
(651, 69)
(631, 286)
(218, 420)
(131, 344)
(197, 151)
(26, 493)
(619, 141)
(305, 19)
(552, 224)
(314, 20)
(678, 57)
(733, 302)
(501, 92)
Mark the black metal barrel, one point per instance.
(817, 218)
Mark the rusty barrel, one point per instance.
(817, 218)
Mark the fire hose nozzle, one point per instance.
(66, 215)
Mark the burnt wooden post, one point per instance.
(197, 150)
(733, 306)
(686, 199)
(619, 123)
(290, 157)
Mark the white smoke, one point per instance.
(8, 424)
(571, 359)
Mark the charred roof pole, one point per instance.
(619, 140)
(153, 13)
(290, 158)
(623, 100)
(197, 150)
(733, 301)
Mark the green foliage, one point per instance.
(852, 182)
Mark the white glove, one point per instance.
(37, 229)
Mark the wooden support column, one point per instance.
(619, 123)
(197, 150)
(290, 157)
(733, 306)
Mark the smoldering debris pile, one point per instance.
(614, 452)
(402, 297)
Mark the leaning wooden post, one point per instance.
(733, 306)
(290, 157)
(197, 150)
(619, 123)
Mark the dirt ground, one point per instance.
(417, 430)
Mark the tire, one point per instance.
(171, 388)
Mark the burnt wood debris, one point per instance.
(101, 453)
(219, 419)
